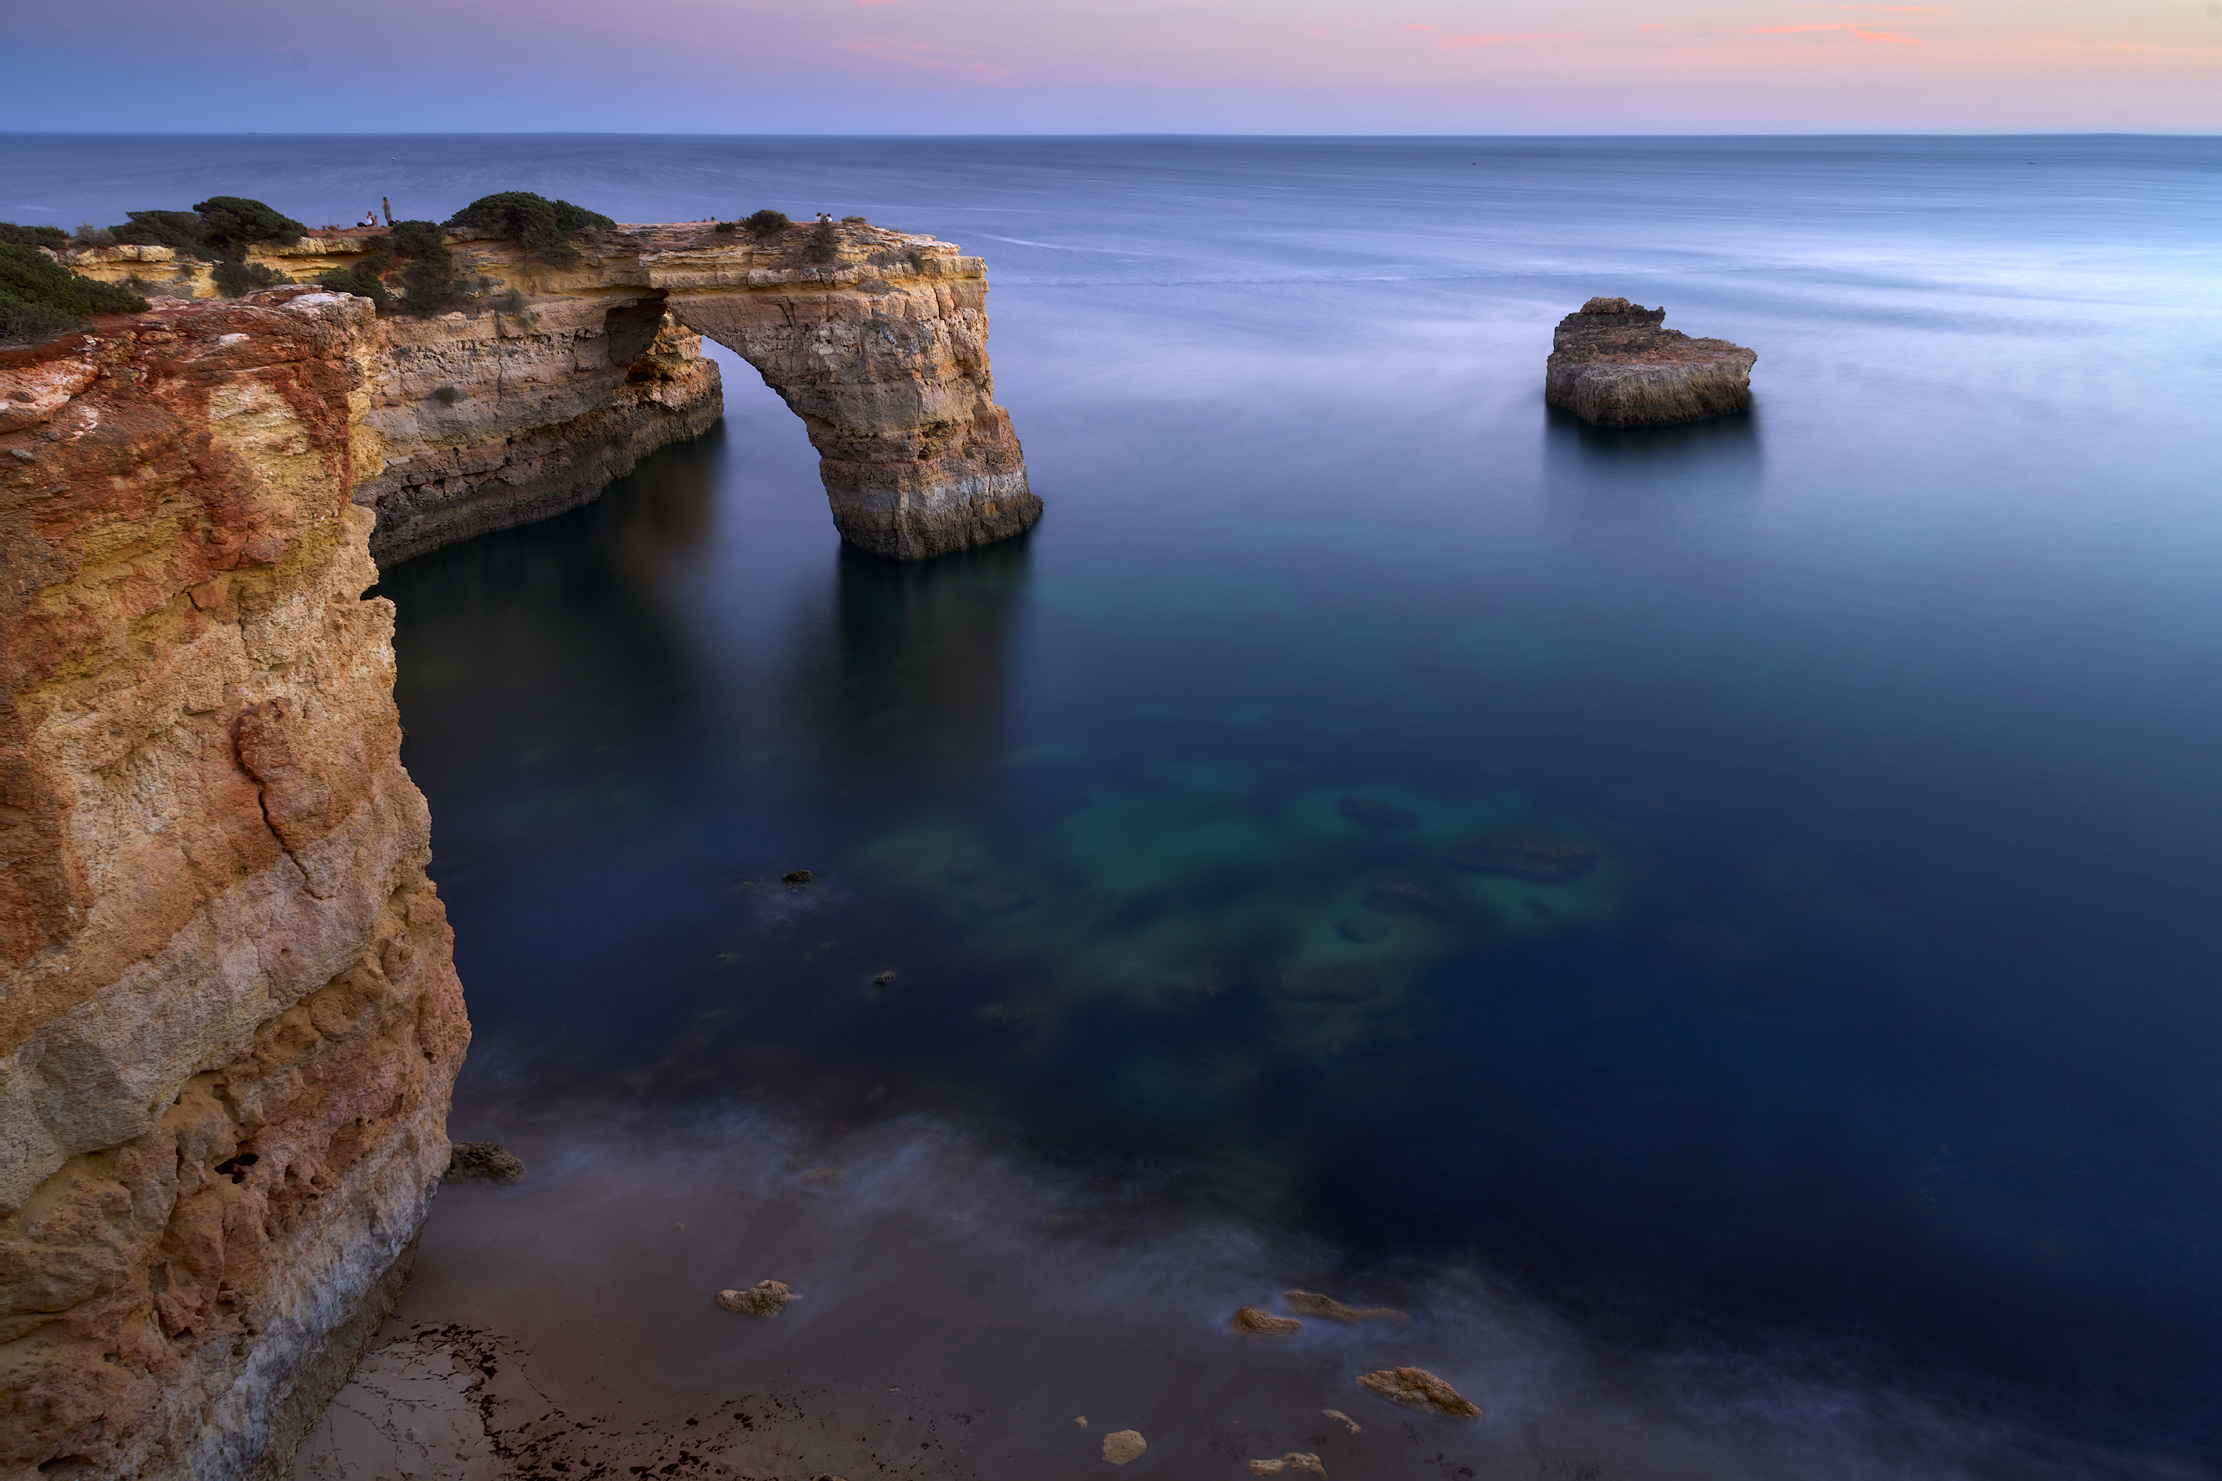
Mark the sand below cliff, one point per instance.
(961, 1313)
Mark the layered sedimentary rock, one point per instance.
(489, 420)
(876, 339)
(1615, 365)
(229, 1018)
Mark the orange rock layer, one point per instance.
(229, 1019)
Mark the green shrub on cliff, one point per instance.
(414, 258)
(540, 226)
(232, 223)
(360, 281)
(34, 236)
(39, 296)
(181, 230)
(221, 227)
(234, 279)
(766, 221)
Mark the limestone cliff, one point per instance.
(496, 419)
(877, 340)
(229, 1019)
(1614, 364)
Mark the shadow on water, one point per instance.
(1721, 456)
(908, 658)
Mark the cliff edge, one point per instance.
(1614, 364)
(229, 1020)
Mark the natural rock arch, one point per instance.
(886, 363)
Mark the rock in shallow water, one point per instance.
(1525, 856)
(1121, 1446)
(1419, 1389)
(1614, 365)
(1252, 1322)
(765, 1298)
(1376, 817)
(488, 1162)
(1294, 1461)
(1312, 1303)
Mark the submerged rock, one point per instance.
(1525, 856)
(1404, 897)
(1376, 817)
(1121, 1446)
(1419, 1389)
(1614, 365)
(488, 1162)
(1344, 984)
(798, 878)
(1312, 1303)
(1339, 1415)
(1364, 932)
(765, 1298)
(1252, 1322)
(1294, 1461)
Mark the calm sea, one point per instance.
(1882, 1047)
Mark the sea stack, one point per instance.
(1613, 364)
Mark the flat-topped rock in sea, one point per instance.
(1614, 364)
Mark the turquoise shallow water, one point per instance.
(1883, 1035)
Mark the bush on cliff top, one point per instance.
(414, 258)
(33, 236)
(39, 296)
(766, 221)
(234, 223)
(541, 226)
(180, 230)
(222, 227)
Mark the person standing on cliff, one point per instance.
(387, 202)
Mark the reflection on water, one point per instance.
(1219, 831)
(1722, 456)
(914, 661)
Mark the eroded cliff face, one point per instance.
(877, 339)
(497, 419)
(229, 1020)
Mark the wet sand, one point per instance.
(961, 1313)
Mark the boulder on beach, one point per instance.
(1613, 364)
(1252, 1322)
(1121, 1446)
(1525, 856)
(1292, 1462)
(487, 1162)
(762, 1299)
(1376, 817)
(1312, 1303)
(1419, 1389)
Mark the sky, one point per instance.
(1113, 66)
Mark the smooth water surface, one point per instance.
(1883, 1037)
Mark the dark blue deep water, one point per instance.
(1885, 1037)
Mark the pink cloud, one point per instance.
(923, 58)
(1450, 43)
(1889, 36)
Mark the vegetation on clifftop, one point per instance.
(34, 236)
(414, 258)
(542, 227)
(39, 296)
